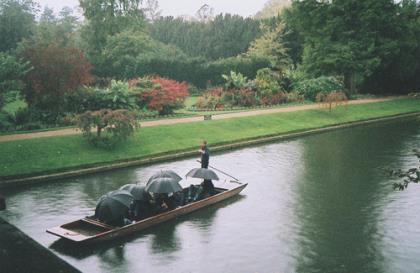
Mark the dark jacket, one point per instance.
(205, 157)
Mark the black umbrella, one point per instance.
(202, 173)
(164, 182)
(165, 174)
(113, 205)
(138, 191)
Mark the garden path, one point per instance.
(169, 121)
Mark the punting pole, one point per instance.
(199, 161)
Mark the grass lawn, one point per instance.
(42, 155)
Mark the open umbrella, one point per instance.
(164, 182)
(203, 173)
(113, 205)
(138, 191)
(165, 174)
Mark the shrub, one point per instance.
(160, 94)
(197, 70)
(234, 80)
(193, 90)
(274, 98)
(112, 126)
(267, 81)
(116, 96)
(294, 96)
(331, 99)
(211, 99)
(310, 88)
(246, 97)
(5, 123)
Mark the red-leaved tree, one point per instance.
(55, 71)
(160, 94)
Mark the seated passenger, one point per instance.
(174, 200)
(160, 203)
(208, 188)
(141, 209)
(194, 193)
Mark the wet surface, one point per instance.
(314, 204)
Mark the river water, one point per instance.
(314, 204)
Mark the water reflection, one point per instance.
(314, 204)
(340, 199)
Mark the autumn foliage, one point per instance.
(55, 71)
(112, 126)
(160, 94)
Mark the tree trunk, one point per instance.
(349, 82)
(98, 131)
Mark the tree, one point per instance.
(17, 21)
(347, 38)
(112, 126)
(55, 71)
(11, 72)
(152, 10)
(225, 36)
(205, 13)
(270, 45)
(272, 8)
(126, 52)
(399, 69)
(107, 18)
(59, 30)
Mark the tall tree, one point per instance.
(349, 38)
(271, 45)
(17, 21)
(151, 10)
(106, 18)
(12, 71)
(55, 71)
(60, 30)
(225, 36)
(399, 71)
(205, 13)
(272, 8)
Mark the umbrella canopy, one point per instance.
(113, 205)
(163, 185)
(138, 191)
(203, 173)
(165, 174)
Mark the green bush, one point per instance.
(5, 123)
(116, 96)
(267, 82)
(311, 87)
(235, 80)
(197, 71)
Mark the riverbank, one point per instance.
(170, 121)
(37, 159)
(19, 253)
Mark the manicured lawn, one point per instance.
(34, 156)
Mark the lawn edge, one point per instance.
(180, 154)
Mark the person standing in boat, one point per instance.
(205, 155)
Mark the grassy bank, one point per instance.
(42, 155)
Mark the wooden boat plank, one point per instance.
(70, 231)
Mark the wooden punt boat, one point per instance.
(89, 230)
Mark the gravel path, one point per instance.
(72, 131)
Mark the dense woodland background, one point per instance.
(370, 46)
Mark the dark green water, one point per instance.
(314, 204)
